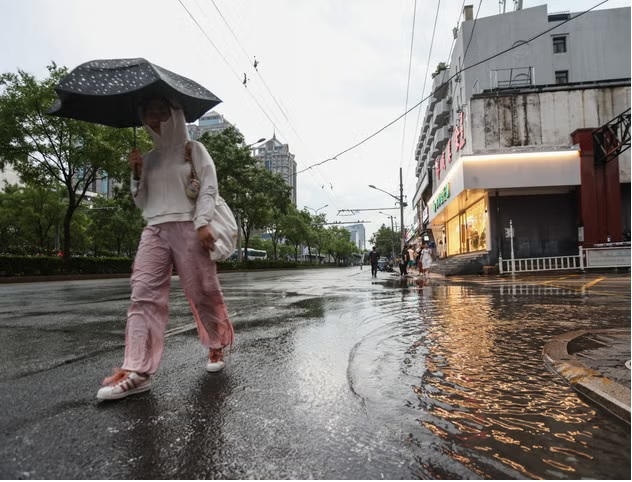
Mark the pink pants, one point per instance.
(162, 246)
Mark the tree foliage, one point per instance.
(46, 150)
(338, 244)
(257, 196)
(386, 241)
(30, 218)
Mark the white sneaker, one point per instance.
(215, 361)
(123, 384)
(215, 366)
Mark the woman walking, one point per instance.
(426, 260)
(177, 234)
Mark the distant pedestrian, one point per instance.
(403, 262)
(426, 260)
(433, 247)
(411, 258)
(373, 257)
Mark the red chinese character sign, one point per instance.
(461, 139)
(457, 140)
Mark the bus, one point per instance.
(252, 254)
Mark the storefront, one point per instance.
(465, 214)
(467, 232)
(513, 158)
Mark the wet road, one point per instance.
(333, 375)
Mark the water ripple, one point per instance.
(478, 388)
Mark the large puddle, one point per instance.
(464, 367)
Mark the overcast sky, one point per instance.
(331, 72)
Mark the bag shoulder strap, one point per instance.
(189, 158)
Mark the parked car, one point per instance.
(384, 264)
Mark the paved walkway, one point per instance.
(593, 362)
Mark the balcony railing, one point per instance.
(512, 78)
(442, 112)
(440, 91)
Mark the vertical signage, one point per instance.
(442, 196)
(457, 140)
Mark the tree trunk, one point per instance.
(65, 265)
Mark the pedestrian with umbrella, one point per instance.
(178, 208)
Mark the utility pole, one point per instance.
(401, 202)
(401, 207)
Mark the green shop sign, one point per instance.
(442, 197)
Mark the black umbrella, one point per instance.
(109, 92)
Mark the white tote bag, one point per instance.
(223, 225)
(224, 228)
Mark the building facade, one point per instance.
(358, 235)
(210, 122)
(498, 144)
(276, 157)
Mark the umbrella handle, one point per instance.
(136, 171)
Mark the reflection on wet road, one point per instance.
(456, 372)
(333, 375)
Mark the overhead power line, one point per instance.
(410, 61)
(331, 194)
(239, 79)
(423, 89)
(498, 54)
(253, 66)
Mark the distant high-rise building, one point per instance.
(358, 235)
(209, 122)
(276, 157)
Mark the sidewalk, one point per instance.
(593, 362)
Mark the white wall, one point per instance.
(544, 119)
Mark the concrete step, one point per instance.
(471, 263)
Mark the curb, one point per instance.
(68, 277)
(600, 390)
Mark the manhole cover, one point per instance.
(627, 364)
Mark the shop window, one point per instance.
(467, 232)
(454, 236)
(475, 227)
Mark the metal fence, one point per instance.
(600, 257)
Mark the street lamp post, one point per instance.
(392, 232)
(401, 202)
(256, 142)
(315, 210)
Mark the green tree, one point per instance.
(386, 241)
(115, 224)
(339, 244)
(280, 206)
(317, 230)
(29, 219)
(233, 162)
(45, 149)
(296, 228)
